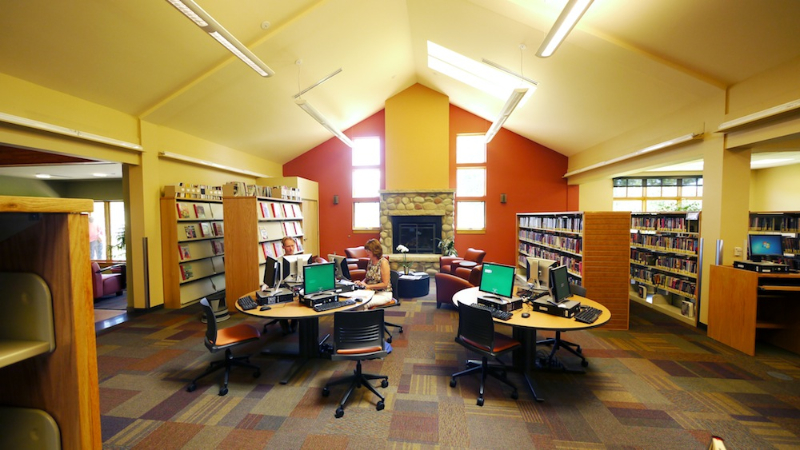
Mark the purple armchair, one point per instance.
(105, 284)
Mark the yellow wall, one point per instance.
(596, 195)
(417, 142)
(775, 189)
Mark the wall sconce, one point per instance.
(502, 198)
(335, 199)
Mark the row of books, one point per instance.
(569, 244)
(292, 228)
(572, 224)
(685, 245)
(674, 284)
(202, 230)
(187, 251)
(241, 189)
(196, 211)
(676, 264)
(273, 210)
(574, 265)
(660, 223)
(195, 191)
(777, 223)
(202, 269)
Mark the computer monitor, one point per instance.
(539, 271)
(340, 265)
(765, 246)
(272, 273)
(289, 266)
(559, 284)
(318, 278)
(497, 279)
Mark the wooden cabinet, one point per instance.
(745, 306)
(665, 258)
(193, 249)
(593, 246)
(258, 224)
(49, 237)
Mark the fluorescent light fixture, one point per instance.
(203, 20)
(571, 14)
(498, 83)
(202, 162)
(773, 162)
(662, 145)
(760, 115)
(44, 176)
(44, 126)
(100, 175)
(508, 108)
(305, 106)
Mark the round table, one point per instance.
(415, 284)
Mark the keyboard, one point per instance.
(496, 313)
(333, 305)
(587, 314)
(247, 303)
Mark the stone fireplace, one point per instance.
(421, 218)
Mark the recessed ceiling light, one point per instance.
(43, 175)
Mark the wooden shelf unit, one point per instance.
(787, 224)
(193, 250)
(260, 224)
(745, 306)
(49, 237)
(666, 259)
(593, 246)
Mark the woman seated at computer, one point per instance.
(378, 278)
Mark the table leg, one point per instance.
(526, 354)
(308, 348)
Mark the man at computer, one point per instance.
(289, 248)
(378, 276)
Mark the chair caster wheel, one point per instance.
(339, 412)
(389, 340)
(385, 383)
(256, 374)
(401, 330)
(514, 395)
(326, 392)
(453, 382)
(191, 387)
(223, 391)
(379, 406)
(480, 401)
(585, 363)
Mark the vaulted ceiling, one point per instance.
(627, 63)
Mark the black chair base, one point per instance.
(357, 380)
(227, 363)
(387, 324)
(571, 347)
(484, 368)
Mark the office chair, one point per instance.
(394, 278)
(358, 336)
(557, 342)
(225, 339)
(476, 333)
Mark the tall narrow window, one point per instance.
(471, 182)
(366, 183)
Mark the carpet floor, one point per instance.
(659, 385)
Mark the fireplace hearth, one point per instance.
(420, 234)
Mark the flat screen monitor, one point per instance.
(539, 271)
(289, 266)
(497, 279)
(340, 264)
(765, 245)
(319, 278)
(559, 284)
(272, 273)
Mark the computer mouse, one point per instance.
(264, 308)
(526, 315)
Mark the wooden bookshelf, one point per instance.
(49, 237)
(193, 249)
(260, 224)
(665, 263)
(593, 246)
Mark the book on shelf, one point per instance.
(277, 249)
(183, 252)
(219, 229)
(277, 211)
(218, 247)
(199, 211)
(186, 272)
(183, 211)
(190, 232)
(263, 233)
(299, 244)
(268, 250)
(266, 212)
(205, 229)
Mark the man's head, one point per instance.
(289, 246)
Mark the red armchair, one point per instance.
(471, 274)
(448, 264)
(105, 284)
(357, 260)
(446, 286)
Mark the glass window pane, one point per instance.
(366, 215)
(470, 215)
(620, 191)
(689, 191)
(654, 191)
(618, 182)
(471, 182)
(367, 151)
(669, 191)
(634, 191)
(470, 149)
(699, 181)
(117, 230)
(654, 181)
(689, 181)
(661, 205)
(97, 231)
(692, 205)
(634, 182)
(669, 181)
(699, 191)
(366, 183)
(628, 205)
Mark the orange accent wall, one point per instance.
(530, 175)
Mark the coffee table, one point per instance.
(415, 284)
